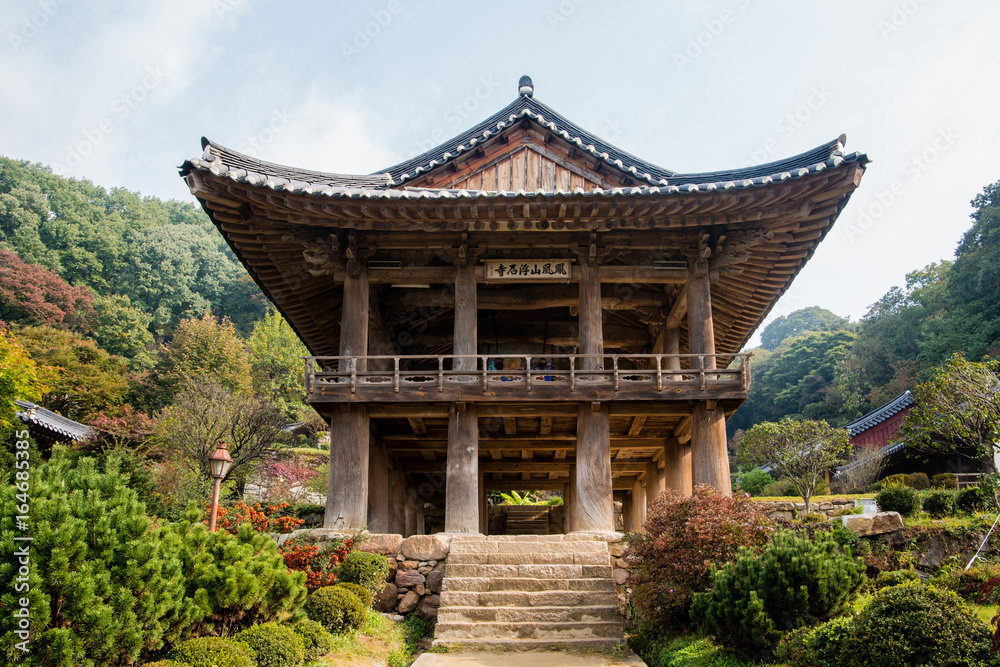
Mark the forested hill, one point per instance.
(813, 364)
(154, 260)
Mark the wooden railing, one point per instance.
(509, 376)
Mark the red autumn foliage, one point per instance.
(319, 563)
(269, 520)
(131, 430)
(32, 294)
(669, 561)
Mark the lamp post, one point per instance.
(221, 462)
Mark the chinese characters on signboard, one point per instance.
(529, 269)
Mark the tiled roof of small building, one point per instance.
(29, 413)
(881, 413)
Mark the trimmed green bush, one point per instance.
(830, 644)
(358, 591)
(214, 652)
(973, 499)
(895, 578)
(754, 481)
(915, 624)
(794, 582)
(781, 488)
(336, 609)
(919, 481)
(275, 645)
(165, 663)
(365, 569)
(939, 503)
(945, 480)
(316, 641)
(902, 499)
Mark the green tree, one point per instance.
(203, 348)
(800, 322)
(799, 451)
(104, 587)
(20, 377)
(957, 411)
(122, 329)
(204, 413)
(90, 380)
(276, 366)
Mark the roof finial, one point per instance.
(525, 87)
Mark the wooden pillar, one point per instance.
(638, 505)
(593, 506)
(627, 517)
(397, 501)
(378, 488)
(347, 484)
(461, 513)
(709, 457)
(484, 512)
(677, 466)
(652, 484)
(461, 509)
(421, 528)
(413, 505)
(570, 500)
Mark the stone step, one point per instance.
(548, 558)
(525, 599)
(527, 531)
(519, 631)
(453, 614)
(524, 584)
(609, 644)
(528, 571)
(526, 544)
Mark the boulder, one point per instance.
(408, 578)
(434, 580)
(408, 603)
(423, 547)
(385, 601)
(387, 545)
(429, 606)
(872, 524)
(620, 576)
(617, 549)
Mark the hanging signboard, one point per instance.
(558, 270)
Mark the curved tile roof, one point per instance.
(881, 413)
(30, 413)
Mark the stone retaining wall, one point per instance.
(792, 510)
(416, 567)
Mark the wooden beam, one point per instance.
(636, 428)
(417, 424)
(533, 297)
(510, 425)
(545, 426)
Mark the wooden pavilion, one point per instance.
(524, 306)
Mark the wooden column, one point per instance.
(461, 510)
(709, 457)
(413, 505)
(652, 484)
(397, 501)
(627, 516)
(378, 488)
(570, 500)
(677, 466)
(347, 484)
(593, 506)
(484, 512)
(638, 505)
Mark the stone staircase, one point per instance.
(526, 592)
(527, 520)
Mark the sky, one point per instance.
(120, 93)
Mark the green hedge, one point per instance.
(316, 641)
(275, 645)
(214, 652)
(336, 609)
(365, 569)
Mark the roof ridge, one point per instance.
(881, 413)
